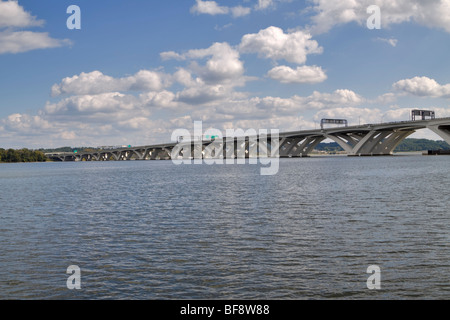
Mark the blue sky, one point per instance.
(138, 70)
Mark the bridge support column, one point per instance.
(214, 150)
(116, 155)
(229, 148)
(139, 154)
(372, 143)
(299, 147)
(181, 151)
(442, 130)
(306, 147)
(160, 154)
(287, 145)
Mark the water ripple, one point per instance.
(152, 230)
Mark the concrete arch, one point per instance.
(371, 143)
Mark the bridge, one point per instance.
(362, 140)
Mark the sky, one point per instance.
(137, 70)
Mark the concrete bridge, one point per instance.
(363, 140)
(61, 156)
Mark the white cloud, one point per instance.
(213, 8)
(96, 82)
(88, 105)
(391, 41)
(330, 13)
(22, 41)
(13, 15)
(385, 98)
(263, 4)
(209, 79)
(220, 28)
(423, 87)
(211, 75)
(340, 97)
(274, 44)
(222, 65)
(184, 77)
(171, 55)
(162, 99)
(240, 11)
(208, 7)
(25, 123)
(303, 74)
(202, 94)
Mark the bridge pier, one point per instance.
(299, 146)
(371, 143)
(159, 154)
(442, 130)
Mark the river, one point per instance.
(155, 230)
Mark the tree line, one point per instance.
(22, 155)
(406, 145)
(421, 145)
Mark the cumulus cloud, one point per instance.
(208, 7)
(25, 123)
(330, 13)
(263, 4)
(240, 11)
(104, 103)
(171, 55)
(423, 87)
(161, 99)
(96, 82)
(274, 44)
(201, 94)
(211, 74)
(340, 97)
(303, 74)
(224, 62)
(22, 41)
(223, 65)
(13, 16)
(213, 8)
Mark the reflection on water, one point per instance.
(153, 230)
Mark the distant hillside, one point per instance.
(405, 146)
(421, 145)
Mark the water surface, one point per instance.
(154, 230)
